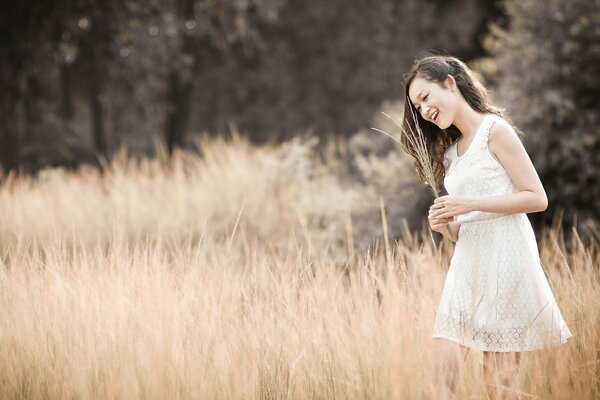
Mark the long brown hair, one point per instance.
(435, 68)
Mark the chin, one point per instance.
(442, 125)
(446, 124)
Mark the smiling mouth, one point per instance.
(435, 116)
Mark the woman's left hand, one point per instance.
(452, 206)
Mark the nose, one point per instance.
(424, 111)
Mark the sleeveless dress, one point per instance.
(496, 296)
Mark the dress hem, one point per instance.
(504, 350)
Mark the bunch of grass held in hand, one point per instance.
(419, 152)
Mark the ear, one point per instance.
(450, 82)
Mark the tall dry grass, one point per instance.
(217, 277)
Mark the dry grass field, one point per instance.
(236, 275)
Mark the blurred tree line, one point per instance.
(82, 77)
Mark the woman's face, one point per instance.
(434, 102)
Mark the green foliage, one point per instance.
(545, 67)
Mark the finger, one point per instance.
(446, 214)
(438, 227)
(440, 199)
(440, 221)
(437, 213)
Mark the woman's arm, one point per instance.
(507, 148)
(509, 151)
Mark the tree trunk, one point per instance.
(179, 97)
(11, 119)
(95, 80)
(180, 89)
(66, 96)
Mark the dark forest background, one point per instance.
(81, 78)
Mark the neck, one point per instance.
(467, 121)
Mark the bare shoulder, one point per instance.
(503, 130)
(505, 145)
(503, 140)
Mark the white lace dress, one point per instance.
(496, 296)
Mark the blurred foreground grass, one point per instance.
(240, 275)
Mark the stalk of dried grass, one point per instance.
(417, 140)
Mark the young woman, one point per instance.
(496, 297)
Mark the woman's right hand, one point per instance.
(438, 224)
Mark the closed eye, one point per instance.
(424, 98)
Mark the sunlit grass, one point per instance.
(222, 277)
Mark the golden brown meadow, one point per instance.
(239, 274)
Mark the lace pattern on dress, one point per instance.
(496, 296)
